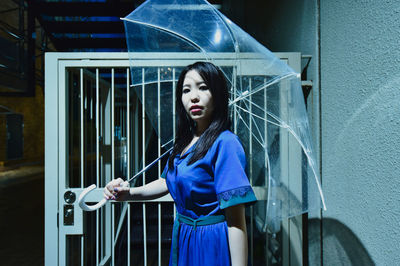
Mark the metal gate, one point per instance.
(96, 130)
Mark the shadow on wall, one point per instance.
(340, 245)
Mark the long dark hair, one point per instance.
(215, 80)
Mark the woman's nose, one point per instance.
(194, 96)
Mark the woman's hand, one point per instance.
(117, 189)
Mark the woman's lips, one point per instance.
(196, 109)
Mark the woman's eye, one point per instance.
(203, 88)
(185, 90)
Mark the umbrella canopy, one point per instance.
(266, 101)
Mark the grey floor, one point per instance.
(22, 221)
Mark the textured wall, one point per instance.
(360, 92)
(360, 116)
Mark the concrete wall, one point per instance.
(356, 74)
(360, 93)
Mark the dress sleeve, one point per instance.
(231, 183)
(165, 171)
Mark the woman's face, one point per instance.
(196, 98)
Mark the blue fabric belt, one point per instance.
(205, 220)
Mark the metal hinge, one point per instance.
(306, 83)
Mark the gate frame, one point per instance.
(55, 136)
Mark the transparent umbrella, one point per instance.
(266, 101)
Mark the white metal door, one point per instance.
(96, 130)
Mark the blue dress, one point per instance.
(205, 188)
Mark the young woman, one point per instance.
(205, 175)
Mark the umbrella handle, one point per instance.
(89, 208)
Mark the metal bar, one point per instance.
(120, 121)
(251, 176)
(285, 150)
(97, 128)
(128, 167)
(136, 123)
(112, 126)
(61, 156)
(128, 123)
(250, 137)
(82, 142)
(107, 231)
(174, 114)
(173, 103)
(149, 62)
(159, 116)
(144, 234)
(128, 262)
(149, 165)
(82, 249)
(159, 163)
(177, 57)
(97, 236)
(234, 96)
(112, 164)
(86, 139)
(82, 125)
(121, 220)
(113, 234)
(97, 160)
(266, 167)
(144, 163)
(105, 261)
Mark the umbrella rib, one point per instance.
(275, 80)
(253, 119)
(256, 105)
(306, 151)
(150, 82)
(258, 129)
(262, 109)
(271, 115)
(262, 118)
(269, 190)
(241, 118)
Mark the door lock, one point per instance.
(68, 214)
(69, 197)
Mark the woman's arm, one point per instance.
(237, 233)
(119, 190)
